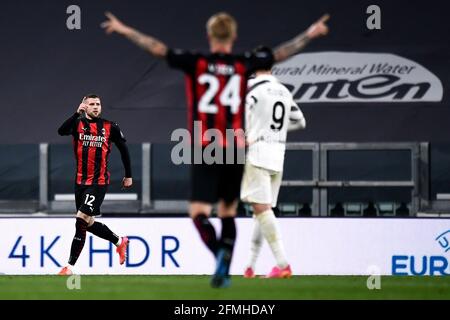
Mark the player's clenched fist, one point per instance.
(82, 107)
(127, 183)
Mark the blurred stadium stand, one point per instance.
(46, 69)
(357, 179)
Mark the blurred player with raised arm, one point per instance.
(216, 86)
(92, 139)
(270, 113)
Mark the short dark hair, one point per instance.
(91, 95)
(266, 51)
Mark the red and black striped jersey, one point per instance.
(92, 141)
(216, 86)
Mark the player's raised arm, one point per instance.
(146, 42)
(68, 126)
(293, 46)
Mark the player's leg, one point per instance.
(79, 239)
(271, 231)
(256, 190)
(229, 188)
(255, 249)
(227, 213)
(102, 231)
(229, 192)
(199, 212)
(93, 204)
(203, 194)
(94, 199)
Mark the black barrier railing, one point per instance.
(317, 180)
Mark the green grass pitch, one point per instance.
(197, 287)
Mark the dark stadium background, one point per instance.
(45, 69)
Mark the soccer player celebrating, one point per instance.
(270, 113)
(92, 139)
(216, 86)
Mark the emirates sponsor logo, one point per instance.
(90, 140)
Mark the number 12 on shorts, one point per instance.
(89, 199)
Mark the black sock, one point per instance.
(78, 240)
(207, 232)
(228, 233)
(228, 239)
(102, 231)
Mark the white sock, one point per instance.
(256, 244)
(118, 241)
(270, 231)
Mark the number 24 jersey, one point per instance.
(216, 86)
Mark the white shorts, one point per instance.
(260, 185)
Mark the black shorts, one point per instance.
(88, 199)
(214, 182)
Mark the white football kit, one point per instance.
(270, 113)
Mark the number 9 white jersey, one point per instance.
(270, 113)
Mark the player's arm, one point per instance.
(296, 119)
(146, 42)
(119, 140)
(293, 46)
(68, 126)
(127, 181)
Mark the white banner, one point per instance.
(357, 77)
(314, 246)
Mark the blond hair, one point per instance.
(222, 27)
